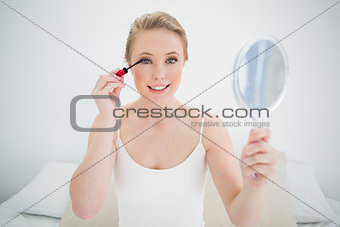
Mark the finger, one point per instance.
(117, 91)
(114, 82)
(105, 81)
(113, 73)
(110, 87)
(252, 148)
(99, 83)
(119, 78)
(263, 169)
(106, 90)
(114, 91)
(260, 158)
(259, 134)
(99, 79)
(118, 88)
(122, 78)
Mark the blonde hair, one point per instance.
(155, 20)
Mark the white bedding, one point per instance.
(319, 224)
(335, 205)
(49, 213)
(25, 220)
(30, 220)
(40, 220)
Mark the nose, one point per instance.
(158, 74)
(159, 77)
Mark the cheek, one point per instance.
(138, 80)
(141, 74)
(141, 79)
(175, 73)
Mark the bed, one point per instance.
(280, 208)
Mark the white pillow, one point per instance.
(50, 180)
(18, 221)
(303, 185)
(335, 205)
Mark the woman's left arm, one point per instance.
(260, 158)
(242, 195)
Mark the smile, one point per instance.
(158, 89)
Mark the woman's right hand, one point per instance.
(108, 85)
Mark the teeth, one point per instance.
(158, 88)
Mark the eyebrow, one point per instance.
(172, 52)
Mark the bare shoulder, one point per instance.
(214, 132)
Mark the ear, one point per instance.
(129, 64)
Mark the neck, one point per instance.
(170, 104)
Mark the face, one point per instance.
(163, 64)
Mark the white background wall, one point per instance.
(40, 75)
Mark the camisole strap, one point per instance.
(118, 137)
(201, 132)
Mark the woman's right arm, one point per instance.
(88, 188)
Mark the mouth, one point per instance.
(158, 89)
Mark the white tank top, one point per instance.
(172, 197)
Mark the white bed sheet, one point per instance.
(29, 220)
(25, 220)
(40, 220)
(318, 224)
(335, 205)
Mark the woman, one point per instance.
(160, 166)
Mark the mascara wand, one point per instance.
(124, 70)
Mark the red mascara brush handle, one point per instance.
(122, 72)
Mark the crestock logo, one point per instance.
(119, 112)
(73, 114)
(191, 112)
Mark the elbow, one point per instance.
(243, 223)
(84, 213)
(240, 222)
(236, 223)
(81, 208)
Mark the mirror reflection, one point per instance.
(260, 81)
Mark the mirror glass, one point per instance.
(260, 73)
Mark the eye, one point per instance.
(145, 61)
(175, 59)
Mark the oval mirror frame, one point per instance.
(246, 45)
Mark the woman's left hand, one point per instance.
(260, 155)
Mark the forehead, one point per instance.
(157, 42)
